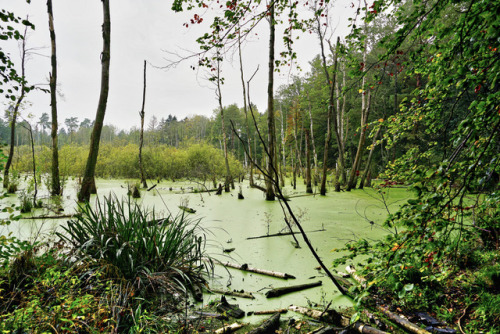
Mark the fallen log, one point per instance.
(325, 330)
(276, 292)
(49, 217)
(300, 195)
(245, 267)
(269, 326)
(330, 316)
(229, 328)
(211, 315)
(343, 281)
(205, 191)
(280, 310)
(352, 271)
(365, 329)
(409, 326)
(233, 293)
(280, 234)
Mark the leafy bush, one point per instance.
(168, 252)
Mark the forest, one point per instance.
(382, 155)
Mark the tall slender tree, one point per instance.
(55, 183)
(331, 115)
(245, 110)
(15, 111)
(88, 181)
(271, 137)
(218, 81)
(141, 138)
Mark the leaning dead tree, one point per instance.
(88, 182)
(287, 210)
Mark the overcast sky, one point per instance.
(141, 29)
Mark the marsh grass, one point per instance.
(148, 251)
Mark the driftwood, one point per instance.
(326, 330)
(49, 217)
(300, 195)
(352, 271)
(280, 310)
(245, 267)
(229, 328)
(269, 326)
(211, 315)
(330, 316)
(240, 294)
(280, 234)
(409, 326)
(362, 328)
(188, 210)
(343, 281)
(276, 292)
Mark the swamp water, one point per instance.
(332, 221)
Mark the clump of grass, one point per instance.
(133, 190)
(168, 252)
(26, 203)
(12, 188)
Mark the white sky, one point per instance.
(141, 29)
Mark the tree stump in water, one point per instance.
(219, 190)
(269, 326)
(231, 310)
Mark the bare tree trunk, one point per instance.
(315, 155)
(270, 112)
(227, 181)
(294, 168)
(88, 181)
(15, 112)
(245, 109)
(359, 153)
(340, 175)
(308, 164)
(283, 153)
(369, 160)
(141, 137)
(32, 142)
(56, 183)
(331, 112)
(343, 133)
(297, 150)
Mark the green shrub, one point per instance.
(169, 252)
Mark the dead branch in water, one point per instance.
(245, 267)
